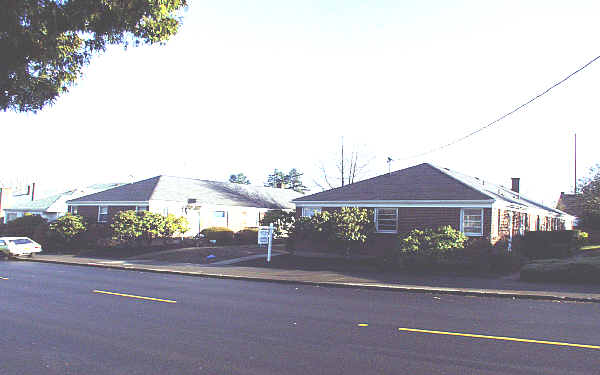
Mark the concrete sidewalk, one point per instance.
(509, 286)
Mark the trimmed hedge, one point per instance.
(247, 236)
(549, 245)
(219, 234)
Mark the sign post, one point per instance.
(270, 242)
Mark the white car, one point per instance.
(16, 246)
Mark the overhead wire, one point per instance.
(499, 118)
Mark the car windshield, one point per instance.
(20, 241)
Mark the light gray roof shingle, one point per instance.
(180, 189)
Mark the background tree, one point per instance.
(239, 178)
(590, 194)
(346, 167)
(45, 43)
(276, 179)
(291, 180)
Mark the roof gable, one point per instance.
(420, 182)
(140, 191)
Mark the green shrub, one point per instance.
(146, 226)
(346, 230)
(125, 226)
(281, 220)
(219, 234)
(549, 245)
(436, 243)
(247, 236)
(175, 225)
(23, 226)
(68, 227)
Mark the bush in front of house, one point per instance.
(571, 270)
(23, 226)
(69, 227)
(282, 221)
(344, 230)
(247, 236)
(221, 235)
(424, 247)
(555, 244)
(145, 226)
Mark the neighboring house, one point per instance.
(571, 204)
(426, 196)
(50, 207)
(203, 203)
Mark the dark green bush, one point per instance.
(282, 221)
(23, 226)
(247, 236)
(555, 244)
(345, 230)
(220, 234)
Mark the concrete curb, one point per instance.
(514, 294)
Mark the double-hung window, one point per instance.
(141, 208)
(471, 221)
(310, 211)
(102, 214)
(386, 220)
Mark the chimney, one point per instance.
(515, 184)
(32, 190)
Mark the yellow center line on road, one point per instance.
(558, 343)
(132, 296)
(363, 324)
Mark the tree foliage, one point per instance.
(291, 180)
(590, 191)
(44, 44)
(239, 178)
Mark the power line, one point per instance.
(501, 117)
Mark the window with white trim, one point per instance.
(471, 221)
(386, 220)
(310, 211)
(74, 210)
(102, 214)
(141, 208)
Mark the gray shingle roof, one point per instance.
(425, 182)
(180, 189)
(420, 182)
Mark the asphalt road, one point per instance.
(55, 320)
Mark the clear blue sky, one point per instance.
(253, 86)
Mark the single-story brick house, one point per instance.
(50, 207)
(204, 203)
(426, 196)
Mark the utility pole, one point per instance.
(342, 161)
(575, 174)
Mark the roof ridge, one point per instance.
(442, 170)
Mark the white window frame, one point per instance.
(310, 211)
(74, 210)
(377, 221)
(100, 208)
(462, 222)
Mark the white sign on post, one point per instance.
(265, 237)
